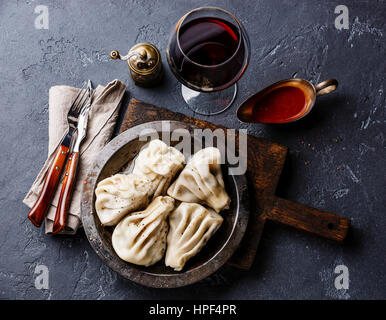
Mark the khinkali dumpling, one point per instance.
(120, 194)
(158, 163)
(191, 226)
(140, 238)
(201, 181)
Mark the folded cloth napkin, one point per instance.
(101, 122)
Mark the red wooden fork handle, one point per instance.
(39, 209)
(65, 193)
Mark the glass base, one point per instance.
(209, 103)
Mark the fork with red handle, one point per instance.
(39, 210)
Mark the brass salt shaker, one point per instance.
(144, 61)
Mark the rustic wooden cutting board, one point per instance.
(265, 164)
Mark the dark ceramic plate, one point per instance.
(115, 156)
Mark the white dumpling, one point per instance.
(201, 181)
(140, 238)
(159, 163)
(191, 226)
(118, 195)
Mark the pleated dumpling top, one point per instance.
(191, 226)
(140, 238)
(201, 181)
(158, 163)
(118, 195)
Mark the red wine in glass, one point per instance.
(210, 54)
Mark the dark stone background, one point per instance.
(346, 130)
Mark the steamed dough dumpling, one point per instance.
(118, 195)
(158, 163)
(201, 181)
(140, 238)
(191, 226)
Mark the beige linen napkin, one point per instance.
(101, 122)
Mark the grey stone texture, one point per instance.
(336, 159)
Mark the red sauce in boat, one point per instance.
(280, 105)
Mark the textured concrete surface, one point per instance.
(336, 160)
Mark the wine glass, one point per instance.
(208, 52)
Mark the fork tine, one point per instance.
(82, 106)
(82, 102)
(76, 102)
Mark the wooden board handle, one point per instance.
(65, 193)
(326, 225)
(39, 209)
